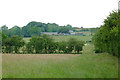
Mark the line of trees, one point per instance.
(11, 44)
(40, 45)
(107, 39)
(35, 28)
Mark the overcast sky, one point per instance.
(86, 13)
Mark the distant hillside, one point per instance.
(35, 28)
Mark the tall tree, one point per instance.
(107, 38)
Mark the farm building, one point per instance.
(49, 33)
(71, 32)
(56, 33)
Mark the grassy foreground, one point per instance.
(87, 65)
(0, 66)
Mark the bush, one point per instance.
(13, 44)
(43, 44)
(107, 39)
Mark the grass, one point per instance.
(87, 65)
(0, 66)
(65, 38)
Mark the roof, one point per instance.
(49, 33)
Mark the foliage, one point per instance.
(35, 28)
(79, 46)
(107, 38)
(71, 44)
(40, 44)
(4, 37)
(43, 44)
(5, 29)
(16, 30)
(62, 47)
(75, 45)
(13, 44)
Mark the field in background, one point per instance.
(65, 38)
(86, 65)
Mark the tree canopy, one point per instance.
(35, 28)
(107, 39)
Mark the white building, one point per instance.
(49, 33)
(71, 32)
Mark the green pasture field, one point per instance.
(65, 38)
(86, 65)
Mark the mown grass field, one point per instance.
(65, 38)
(86, 65)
